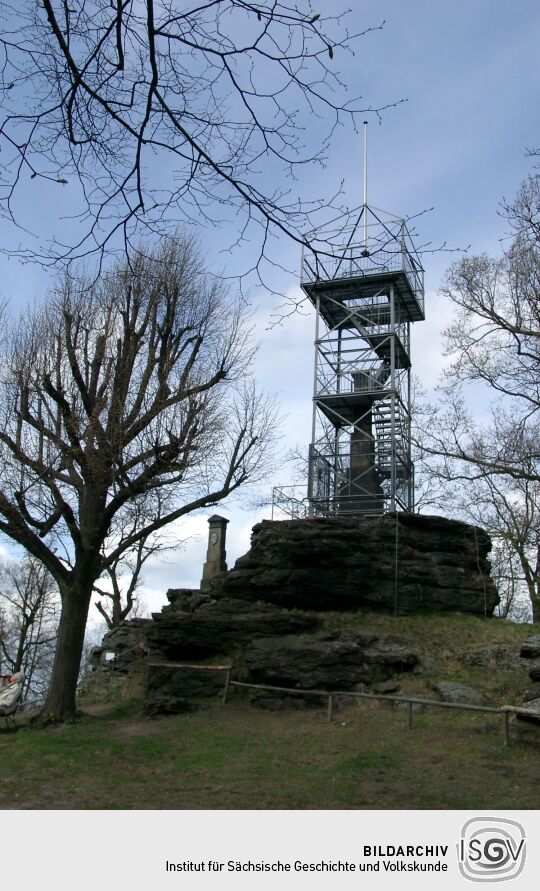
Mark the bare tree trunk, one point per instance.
(23, 639)
(21, 648)
(60, 701)
(535, 590)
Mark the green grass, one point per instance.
(238, 757)
(235, 757)
(450, 640)
(436, 630)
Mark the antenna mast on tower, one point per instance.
(366, 248)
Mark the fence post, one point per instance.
(330, 706)
(227, 682)
(409, 715)
(507, 728)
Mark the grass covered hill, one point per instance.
(234, 756)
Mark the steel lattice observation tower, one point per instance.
(366, 283)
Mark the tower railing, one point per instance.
(351, 262)
(382, 246)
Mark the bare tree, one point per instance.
(509, 510)
(114, 391)
(28, 622)
(505, 577)
(515, 603)
(494, 341)
(150, 114)
(121, 600)
(482, 440)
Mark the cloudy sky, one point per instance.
(470, 74)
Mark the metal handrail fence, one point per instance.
(504, 711)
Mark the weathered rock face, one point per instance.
(213, 627)
(530, 648)
(533, 715)
(127, 642)
(267, 612)
(451, 691)
(337, 660)
(169, 689)
(532, 692)
(495, 656)
(401, 564)
(530, 651)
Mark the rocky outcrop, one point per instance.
(530, 648)
(121, 647)
(337, 660)
(528, 720)
(492, 655)
(195, 628)
(398, 564)
(170, 689)
(534, 706)
(451, 691)
(530, 652)
(266, 614)
(532, 692)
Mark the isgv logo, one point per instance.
(491, 849)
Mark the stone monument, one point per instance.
(216, 554)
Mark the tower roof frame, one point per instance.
(359, 255)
